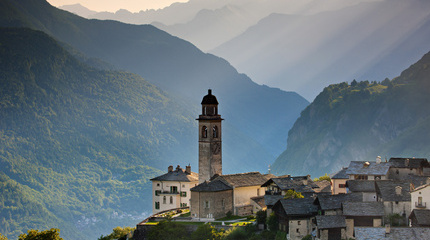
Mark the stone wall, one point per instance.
(211, 204)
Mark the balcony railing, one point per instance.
(420, 205)
(272, 193)
(166, 192)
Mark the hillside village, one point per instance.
(381, 199)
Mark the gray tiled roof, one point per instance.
(212, 186)
(299, 206)
(361, 186)
(371, 233)
(408, 162)
(323, 186)
(416, 180)
(178, 175)
(360, 168)
(298, 184)
(244, 179)
(386, 189)
(333, 202)
(422, 216)
(270, 200)
(363, 209)
(330, 221)
(341, 174)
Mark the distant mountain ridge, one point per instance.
(177, 67)
(305, 53)
(360, 121)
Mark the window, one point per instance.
(258, 192)
(361, 177)
(204, 132)
(297, 230)
(207, 204)
(341, 185)
(158, 184)
(183, 194)
(420, 201)
(164, 199)
(173, 189)
(183, 204)
(171, 200)
(215, 131)
(157, 205)
(157, 192)
(183, 185)
(223, 202)
(298, 223)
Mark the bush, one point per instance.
(272, 223)
(261, 217)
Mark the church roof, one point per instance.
(179, 175)
(243, 179)
(212, 186)
(209, 99)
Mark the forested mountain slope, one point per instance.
(78, 145)
(178, 67)
(360, 121)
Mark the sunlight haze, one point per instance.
(114, 5)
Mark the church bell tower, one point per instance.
(210, 144)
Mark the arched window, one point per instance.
(171, 200)
(204, 132)
(215, 131)
(164, 200)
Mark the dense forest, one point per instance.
(78, 145)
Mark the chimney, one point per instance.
(170, 168)
(178, 168)
(398, 190)
(407, 162)
(188, 169)
(378, 159)
(366, 164)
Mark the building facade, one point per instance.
(172, 190)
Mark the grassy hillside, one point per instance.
(360, 121)
(77, 144)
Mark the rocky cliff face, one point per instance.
(360, 121)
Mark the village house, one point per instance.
(301, 184)
(172, 190)
(332, 204)
(420, 197)
(360, 170)
(420, 218)
(362, 214)
(331, 227)
(338, 182)
(296, 216)
(396, 197)
(366, 188)
(400, 168)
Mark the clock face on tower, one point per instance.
(216, 148)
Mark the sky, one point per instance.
(114, 5)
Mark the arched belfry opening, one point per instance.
(210, 141)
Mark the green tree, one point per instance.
(292, 194)
(207, 231)
(167, 230)
(325, 177)
(52, 234)
(118, 233)
(272, 222)
(354, 83)
(2, 237)
(261, 217)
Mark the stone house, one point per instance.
(420, 218)
(296, 216)
(331, 227)
(366, 188)
(338, 182)
(395, 196)
(211, 200)
(332, 204)
(400, 168)
(362, 214)
(172, 190)
(360, 170)
(243, 187)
